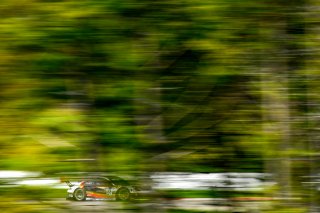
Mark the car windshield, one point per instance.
(117, 180)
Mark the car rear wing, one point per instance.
(69, 183)
(66, 181)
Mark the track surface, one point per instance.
(155, 206)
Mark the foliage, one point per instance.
(141, 86)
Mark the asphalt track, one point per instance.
(157, 205)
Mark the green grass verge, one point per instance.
(208, 194)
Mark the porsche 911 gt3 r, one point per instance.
(97, 188)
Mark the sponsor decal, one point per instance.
(96, 195)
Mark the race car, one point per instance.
(100, 188)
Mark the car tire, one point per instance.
(79, 194)
(123, 194)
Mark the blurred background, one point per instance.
(213, 104)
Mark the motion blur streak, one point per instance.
(203, 105)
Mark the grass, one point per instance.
(207, 194)
(192, 211)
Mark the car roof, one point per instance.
(110, 177)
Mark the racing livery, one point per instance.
(96, 188)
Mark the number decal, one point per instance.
(108, 191)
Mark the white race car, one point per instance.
(98, 188)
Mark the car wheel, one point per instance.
(123, 194)
(79, 194)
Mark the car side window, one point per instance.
(90, 183)
(99, 183)
(107, 183)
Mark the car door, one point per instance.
(102, 189)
